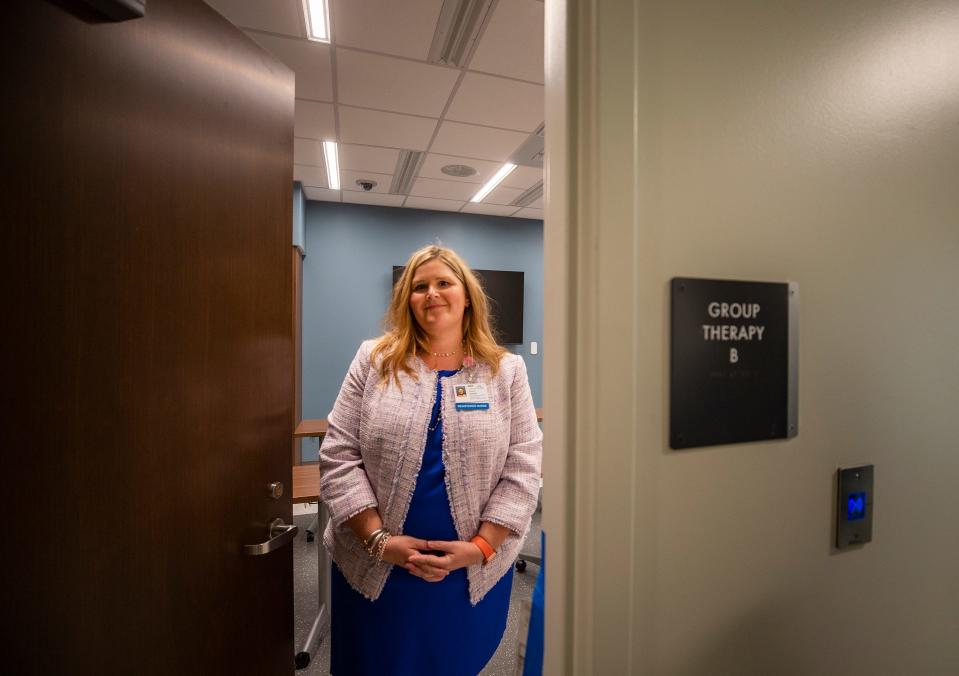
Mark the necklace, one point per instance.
(445, 354)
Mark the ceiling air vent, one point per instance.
(458, 170)
(531, 194)
(407, 165)
(458, 30)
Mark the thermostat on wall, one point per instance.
(854, 507)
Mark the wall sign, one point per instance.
(733, 362)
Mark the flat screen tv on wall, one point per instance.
(504, 289)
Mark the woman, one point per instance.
(430, 471)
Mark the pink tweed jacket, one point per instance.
(372, 453)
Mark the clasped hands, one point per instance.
(412, 554)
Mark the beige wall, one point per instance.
(802, 140)
(815, 142)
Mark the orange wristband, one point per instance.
(485, 547)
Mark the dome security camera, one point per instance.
(366, 184)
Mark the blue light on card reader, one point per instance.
(856, 507)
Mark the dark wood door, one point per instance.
(148, 351)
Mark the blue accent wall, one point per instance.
(347, 278)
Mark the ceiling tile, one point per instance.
(277, 16)
(513, 42)
(413, 202)
(375, 128)
(308, 151)
(536, 204)
(312, 176)
(395, 85)
(502, 195)
(348, 180)
(309, 60)
(467, 140)
(529, 213)
(321, 194)
(402, 28)
(433, 165)
(373, 198)
(314, 120)
(488, 209)
(523, 177)
(368, 158)
(451, 190)
(497, 102)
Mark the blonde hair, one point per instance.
(396, 348)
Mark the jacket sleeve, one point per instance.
(344, 485)
(514, 498)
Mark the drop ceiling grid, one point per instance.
(385, 130)
(480, 101)
(397, 27)
(465, 140)
(420, 180)
(502, 195)
(391, 84)
(368, 158)
(313, 120)
(501, 62)
(523, 177)
(509, 47)
(309, 60)
(450, 190)
(314, 177)
(307, 151)
(434, 188)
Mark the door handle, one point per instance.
(280, 534)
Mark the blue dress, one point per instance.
(417, 627)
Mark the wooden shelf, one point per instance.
(306, 482)
(311, 428)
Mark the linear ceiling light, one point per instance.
(457, 31)
(317, 13)
(332, 164)
(493, 182)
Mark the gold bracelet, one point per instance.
(368, 542)
(382, 546)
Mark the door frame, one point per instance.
(592, 323)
